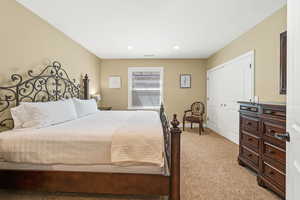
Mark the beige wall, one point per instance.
(176, 100)
(27, 42)
(265, 40)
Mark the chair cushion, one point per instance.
(194, 118)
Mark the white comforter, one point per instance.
(83, 141)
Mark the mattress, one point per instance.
(84, 141)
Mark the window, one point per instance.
(145, 87)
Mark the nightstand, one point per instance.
(104, 108)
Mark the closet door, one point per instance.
(220, 99)
(228, 84)
(237, 77)
(214, 88)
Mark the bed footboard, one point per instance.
(172, 148)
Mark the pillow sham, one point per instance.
(24, 117)
(85, 107)
(38, 118)
(19, 116)
(49, 113)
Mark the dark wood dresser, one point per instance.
(262, 146)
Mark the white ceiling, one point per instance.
(198, 27)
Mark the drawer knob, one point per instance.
(250, 139)
(249, 123)
(283, 136)
(271, 173)
(268, 111)
(250, 155)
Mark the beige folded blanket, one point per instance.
(138, 141)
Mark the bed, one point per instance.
(89, 152)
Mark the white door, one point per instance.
(237, 86)
(214, 91)
(228, 84)
(293, 101)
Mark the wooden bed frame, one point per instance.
(36, 88)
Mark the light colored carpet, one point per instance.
(209, 172)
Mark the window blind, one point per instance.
(146, 89)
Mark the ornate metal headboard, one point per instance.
(51, 84)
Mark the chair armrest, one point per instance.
(187, 111)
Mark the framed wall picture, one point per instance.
(114, 82)
(185, 81)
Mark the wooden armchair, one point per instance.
(195, 115)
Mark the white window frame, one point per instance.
(144, 69)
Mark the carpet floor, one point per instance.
(209, 172)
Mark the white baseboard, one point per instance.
(232, 138)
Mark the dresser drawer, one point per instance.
(270, 128)
(250, 155)
(250, 124)
(274, 113)
(250, 141)
(274, 152)
(249, 108)
(275, 175)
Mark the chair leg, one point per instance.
(183, 124)
(191, 125)
(200, 129)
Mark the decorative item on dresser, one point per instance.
(262, 143)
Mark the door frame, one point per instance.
(292, 165)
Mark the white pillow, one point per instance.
(38, 118)
(49, 113)
(24, 117)
(85, 107)
(19, 116)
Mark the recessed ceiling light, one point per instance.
(129, 47)
(176, 47)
